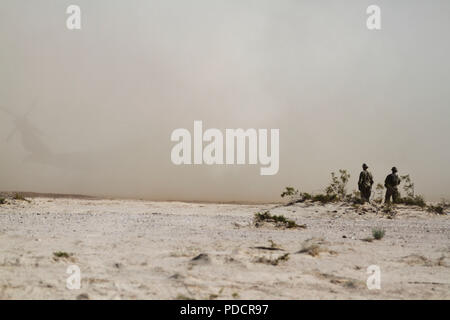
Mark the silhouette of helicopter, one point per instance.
(38, 151)
(29, 136)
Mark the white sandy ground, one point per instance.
(143, 250)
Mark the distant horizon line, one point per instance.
(32, 194)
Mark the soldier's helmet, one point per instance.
(394, 169)
(365, 166)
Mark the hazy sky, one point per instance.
(106, 98)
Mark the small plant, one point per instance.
(18, 196)
(324, 198)
(408, 185)
(313, 250)
(378, 233)
(273, 262)
(351, 284)
(305, 196)
(62, 254)
(354, 198)
(279, 220)
(338, 185)
(439, 208)
(235, 295)
(436, 209)
(274, 245)
(413, 201)
(289, 192)
(411, 198)
(295, 196)
(2, 201)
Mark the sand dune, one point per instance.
(130, 249)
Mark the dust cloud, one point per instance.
(91, 111)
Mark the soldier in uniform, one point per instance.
(365, 183)
(391, 183)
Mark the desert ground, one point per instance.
(133, 249)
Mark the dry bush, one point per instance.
(278, 220)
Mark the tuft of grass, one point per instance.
(439, 208)
(355, 198)
(295, 196)
(235, 295)
(279, 220)
(378, 233)
(62, 254)
(313, 250)
(413, 201)
(289, 192)
(2, 201)
(436, 209)
(274, 245)
(314, 247)
(324, 198)
(305, 196)
(18, 196)
(273, 262)
(351, 284)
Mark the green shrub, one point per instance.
(338, 185)
(378, 233)
(289, 192)
(274, 261)
(436, 209)
(61, 254)
(324, 198)
(354, 198)
(413, 201)
(408, 185)
(411, 198)
(2, 201)
(305, 196)
(439, 208)
(18, 196)
(295, 196)
(279, 220)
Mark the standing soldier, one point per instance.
(365, 183)
(391, 183)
